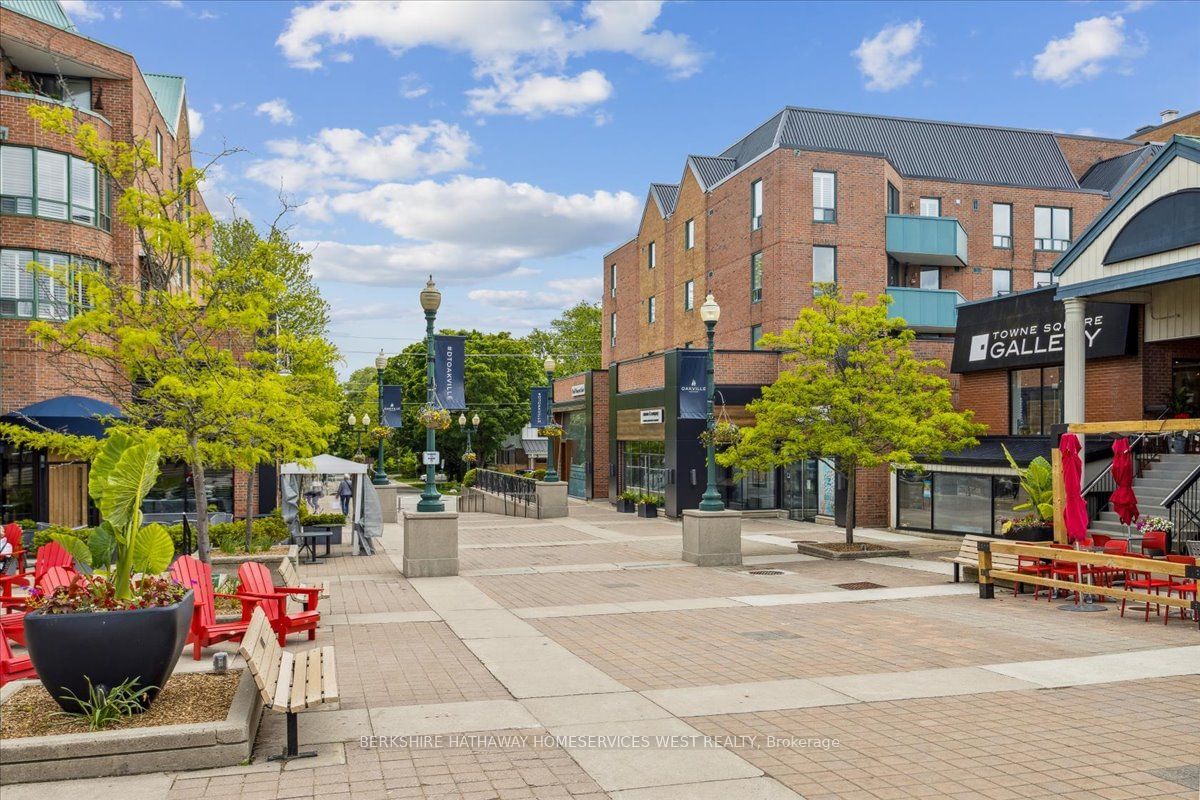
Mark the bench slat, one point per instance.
(300, 667)
(283, 688)
(329, 687)
(312, 688)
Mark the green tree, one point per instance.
(360, 397)
(853, 392)
(573, 338)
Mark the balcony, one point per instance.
(925, 310)
(932, 241)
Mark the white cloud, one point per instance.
(887, 59)
(515, 45)
(173, 3)
(404, 265)
(195, 123)
(537, 94)
(411, 86)
(1084, 54)
(83, 10)
(566, 293)
(340, 159)
(277, 110)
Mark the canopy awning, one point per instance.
(73, 414)
(325, 464)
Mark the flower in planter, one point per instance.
(380, 433)
(1159, 524)
(649, 500)
(722, 434)
(469, 457)
(434, 419)
(551, 430)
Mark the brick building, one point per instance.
(931, 213)
(57, 210)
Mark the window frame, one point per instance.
(651, 256)
(612, 280)
(689, 234)
(756, 277)
(1009, 290)
(1048, 281)
(815, 248)
(1052, 244)
(72, 287)
(101, 192)
(651, 310)
(756, 205)
(921, 211)
(1002, 236)
(753, 339)
(892, 194)
(689, 295)
(829, 215)
(923, 271)
(612, 329)
(1043, 428)
(158, 146)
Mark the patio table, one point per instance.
(307, 540)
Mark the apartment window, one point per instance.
(83, 192)
(893, 199)
(755, 335)
(1042, 279)
(931, 206)
(1036, 400)
(651, 314)
(756, 205)
(50, 290)
(16, 180)
(824, 197)
(824, 265)
(689, 234)
(930, 278)
(756, 276)
(158, 147)
(52, 185)
(17, 294)
(1001, 281)
(651, 258)
(1051, 228)
(689, 295)
(1002, 225)
(612, 280)
(612, 329)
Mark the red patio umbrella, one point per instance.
(1075, 513)
(1124, 501)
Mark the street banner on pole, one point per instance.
(448, 372)
(392, 406)
(539, 405)
(693, 385)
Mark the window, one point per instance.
(893, 199)
(52, 185)
(931, 206)
(104, 203)
(914, 499)
(689, 234)
(651, 259)
(1042, 279)
(53, 286)
(78, 92)
(650, 310)
(962, 503)
(1051, 228)
(16, 180)
(612, 329)
(1002, 225)
(824, 265)
(931, 278)
(755, 335)
(689, 295)
(1001, 282)
(1036, 398)
(83, 192)
(16, 283)
(824, 197)
(756, 205)
(756, 277)
(612, 280)
(158, 147)
(67, 188)
(50, 290)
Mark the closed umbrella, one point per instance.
(1075, 513)
(1124, 501)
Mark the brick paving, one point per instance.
(608, 553)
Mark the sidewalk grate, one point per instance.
(767, 572)
(860, 585)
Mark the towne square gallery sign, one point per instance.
(1027, 330)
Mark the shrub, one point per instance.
(44, 536)
(103, 708)
(27, 524)
(97, 593)
(537, 475)
(470, 477)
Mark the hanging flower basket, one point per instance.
(1156, 525)
(435, 419)
(553, 430)
(380, 433)
(722, 434)
(469, 457)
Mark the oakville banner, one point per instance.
(392, 406)
(693, 385)
(539, 405)
(448, 372)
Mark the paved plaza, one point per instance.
(581, 658)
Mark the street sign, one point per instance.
(431, 458)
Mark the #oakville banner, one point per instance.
(448, 372)
(392, 406)
(693, 385)
(539, 405)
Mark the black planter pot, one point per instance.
(625, 506)
(646, 510)
(109, 647)
(1032, 534)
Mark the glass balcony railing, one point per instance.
(932, 241)
(926, 310)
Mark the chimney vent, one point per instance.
(1169, 115)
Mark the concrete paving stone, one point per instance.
(452, 594)
(922, 683)
(478, 715)
(153, 786)
(859, 596)
(782, 558)
(1108, 668)
(635, 767)
(488, 624)
(588, 708)
(735, 698)
(679, 605)
(936, 567)
(317, 727)
(587, 609)
(328, 755)
(743, 789)
(383, 616)
(556, 672)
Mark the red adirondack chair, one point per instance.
(13, 668)
(49, 556)
(12, 626)
(255, 583)
(205, 630)
(13, 533)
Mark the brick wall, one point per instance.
(600, 457)
(746, 368)
(1082, 152)
(644, 373)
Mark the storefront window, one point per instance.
(914, 499)
(755, 490)
(19, 484)
(1006, 493)
(174, 491)
(952, 502)
(575, 447)
(800, 490)
(1185, 387)
(643, 467)
(962, 503)
(1036, 399)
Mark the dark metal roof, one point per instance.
(665, 195)
(711, 170)
(1023, 448)
(757, 142)
(1111, 174)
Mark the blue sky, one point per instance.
(506, 147)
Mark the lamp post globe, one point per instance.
(462, 420)
(475, 421)
(431, 299)
(710, 313)
(550, 366)
(380, 477)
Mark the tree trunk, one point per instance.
(249, 504)
(200, 492)
(851, 480)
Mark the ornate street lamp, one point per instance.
(551, 475)
(380, 478)
(462, 424)
(352, 421)
(710, 313)
(431, 298)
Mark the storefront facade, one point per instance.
(581, 455)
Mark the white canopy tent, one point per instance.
(367, 522)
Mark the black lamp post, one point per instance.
(352, 421)
(462, 423)
(710, 312)
(551, 475)
(431, 298)
(380, 478)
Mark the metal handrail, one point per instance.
(515, 489)
(1183, 486)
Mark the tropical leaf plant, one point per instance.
(1037, 481)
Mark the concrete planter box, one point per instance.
(135, 751)
(712, 538)
(228, 564)
(871, 551)
(430, 544)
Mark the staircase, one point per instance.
(1157, 481)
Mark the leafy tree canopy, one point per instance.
(573, 338)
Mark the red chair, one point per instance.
(12, 626)
(50, 555)
(205, 630)
(13, 668)
(1154, 542)
(1099, 539)
(1070, 570)
(1183, 586)
(14, 533)
(1032, 565)
(255, 584)
(1106, 576)
(1144, 579)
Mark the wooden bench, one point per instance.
(968, 556)
(288, 682)
(291, 579)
